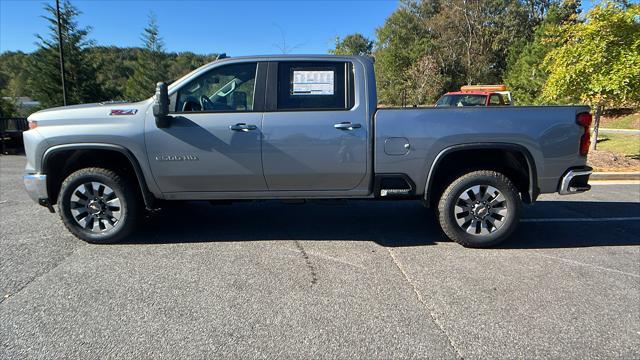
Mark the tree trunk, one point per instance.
(596, 126)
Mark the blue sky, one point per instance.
(238, 27)
(234, 27)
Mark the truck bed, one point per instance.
(550, 134)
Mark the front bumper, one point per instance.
(36, 185)
(575, 181)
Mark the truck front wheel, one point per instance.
(98, 205)
(479, 209)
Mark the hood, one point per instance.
(104, 110)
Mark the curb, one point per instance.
(619, 131)
(615, 176)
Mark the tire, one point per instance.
(479, 209)
(99, 206)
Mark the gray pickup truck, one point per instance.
(299, 127)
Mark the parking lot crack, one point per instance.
(305, 256)
(424, 303)
(37, 276)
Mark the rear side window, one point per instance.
(494, 100)
(314, 86)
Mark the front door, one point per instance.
(315, 132)
(214, 140)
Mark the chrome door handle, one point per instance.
(242, 127)
(347, 126)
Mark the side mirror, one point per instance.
(161, 106)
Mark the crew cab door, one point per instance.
(213, 142)
(315, 128)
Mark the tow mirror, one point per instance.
(161, 106)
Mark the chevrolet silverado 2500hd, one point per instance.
(299, 127)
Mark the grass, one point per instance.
(623, 122)
(628, 145)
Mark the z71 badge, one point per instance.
(176, 158)
(123, 111)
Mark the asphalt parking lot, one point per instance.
(322, 280)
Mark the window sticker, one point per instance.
(317, 82)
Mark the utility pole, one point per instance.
(61, 51)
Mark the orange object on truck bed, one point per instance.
(477, 95)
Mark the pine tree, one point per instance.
(151, 65)
(44, 82)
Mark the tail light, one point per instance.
(32, 124)
(584, 120)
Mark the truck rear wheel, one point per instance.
(98, 206)
(479, 209)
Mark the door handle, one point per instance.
(347, 126)
(242, 127)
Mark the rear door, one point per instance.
(315, 128)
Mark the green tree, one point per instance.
(13, 73)
(401, 42)
(353, 44)
(472, 37)
(183, 63)
(599, 60)
(115, 66)
(7, 107)
(44, 83)
(151, 65)
(525, 74)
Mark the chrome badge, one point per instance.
(176, 158)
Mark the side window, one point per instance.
(314, 86)
(494, 100)
(226, 89)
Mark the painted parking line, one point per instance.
(633, 218)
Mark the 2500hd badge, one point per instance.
(176, 158)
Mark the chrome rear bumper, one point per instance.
(575, 181)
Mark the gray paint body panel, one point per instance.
(223, 160)
(299, 154)
(549, 133)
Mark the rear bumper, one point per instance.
(36, 186)
(575, 181)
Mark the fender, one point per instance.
(533, 191)
(147, 196)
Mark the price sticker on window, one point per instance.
(316, 82)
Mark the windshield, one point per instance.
(461, 100)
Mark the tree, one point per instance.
(599, 60)
(151, 65)
(354, 44)
(472, 38)
(44, 67)
(183, 63)
(424, 81)
(525, 74)
(7, 107)
(401, 42)
(13, 73)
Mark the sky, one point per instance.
(204, 27)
